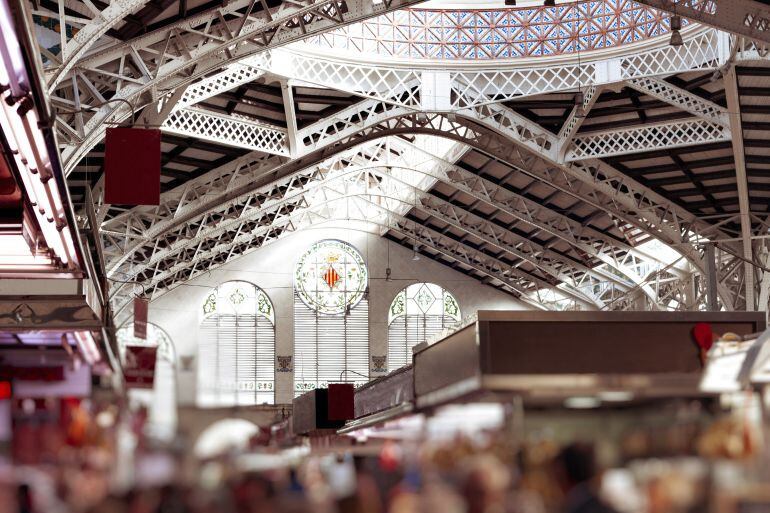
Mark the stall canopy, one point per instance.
(552, 355)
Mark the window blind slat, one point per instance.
(236, 355)
(330, 348)
(407, 331)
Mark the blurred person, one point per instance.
(141, 501)
(366, 488)
(365, 497)
(254, 493)
(576, 469)
(437, 496)
(172, 500)
(86, 486)
(293, 498)
(520, 498)
(110, 504)
(432, 496)
(404, 501)
(486, 484)
(24, 499)
(405, 496)
(316, 489)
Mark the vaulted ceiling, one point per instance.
(564, 171)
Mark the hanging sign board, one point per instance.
(139, 366)
(140, 318)
(75, 382)
(30, 373)
(340, 406)
(132, 166)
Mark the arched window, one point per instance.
(236, 347)
(161, 400)
(331, 316)
(416, 314)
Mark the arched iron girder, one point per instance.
(599, 186)
(490, 234)
(299, 216)
(586, 240)
(180, 53)
(469, 88)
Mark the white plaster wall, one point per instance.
(271, 268)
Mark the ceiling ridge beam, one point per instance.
(681, 98)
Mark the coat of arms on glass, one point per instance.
(331, 277)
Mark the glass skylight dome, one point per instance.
(487, 30)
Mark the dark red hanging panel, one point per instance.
(341, 401)
(132, 166)
(141, 306)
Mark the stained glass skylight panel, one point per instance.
(498, 33)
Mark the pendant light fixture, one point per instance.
(388, 271)
(676, 27)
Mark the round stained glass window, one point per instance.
(331, 277)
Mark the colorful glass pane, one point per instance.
(451, 308)
(264, 306)
(398, 306)
(424, 299)
(499, 33)
(331, 277)
(210, 305)
(236, 298)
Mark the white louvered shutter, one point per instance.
(417, 314)
(236, 351)
(330, 348)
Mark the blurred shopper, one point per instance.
(576, 468)
(24, 499)
(486, 484)
(173, 500)
(366, 497)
